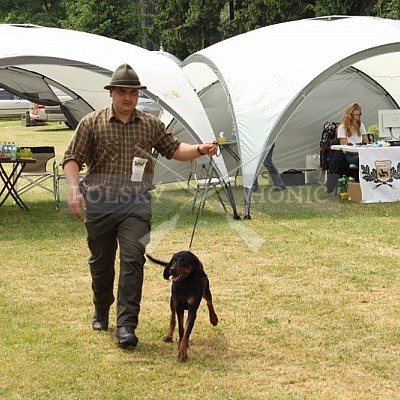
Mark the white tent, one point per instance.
(33, 58)
(288, 79)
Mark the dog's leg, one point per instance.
(168, 337)
(208, 298)
(183, 335)
(194, 304)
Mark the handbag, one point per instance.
(293, 177)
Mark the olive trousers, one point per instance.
(108, 227)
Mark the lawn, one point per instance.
(307, 293)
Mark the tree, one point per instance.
(185, 26)
(388, 9)
(116, 19)
(344, 7)
(246, 15)
(41, 12)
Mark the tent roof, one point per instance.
(269, 72)
(80, 64)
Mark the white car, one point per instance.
(12, 105)
(41, 113)
(148, 105)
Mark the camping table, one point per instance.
(10, 178)
(379, 172)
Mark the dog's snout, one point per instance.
(172, 269)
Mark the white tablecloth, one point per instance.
(380, 174)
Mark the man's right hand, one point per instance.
(76, 202)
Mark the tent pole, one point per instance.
(247, 201)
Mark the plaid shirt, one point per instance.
(107, 147)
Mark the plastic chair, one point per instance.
(37, 173)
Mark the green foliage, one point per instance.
(39, 12)
(183, 27)
(388, 9)
(375, 130)
(116, 19)
(344, 7)
(248, 15)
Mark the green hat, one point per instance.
(125, 76)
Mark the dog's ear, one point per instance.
(197, 263)
(166, 273)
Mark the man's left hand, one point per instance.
(209, 148)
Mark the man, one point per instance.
(115, 144)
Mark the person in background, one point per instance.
(115, 144)
(279, 185)
(351, 131)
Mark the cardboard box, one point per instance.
(354, 191)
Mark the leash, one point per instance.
(195, 222)
(201, 200)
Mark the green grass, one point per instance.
(307, 292)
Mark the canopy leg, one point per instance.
(247, 202)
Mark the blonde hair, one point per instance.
(351, 126)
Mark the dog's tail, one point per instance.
(159, 262)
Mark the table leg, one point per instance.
(232, 153)
(10, 182)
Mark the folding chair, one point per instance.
(37, 173)
(203, 174)
(60, 176)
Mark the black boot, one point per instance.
(125, 336)
(100, 319)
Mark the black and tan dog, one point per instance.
(189, 285)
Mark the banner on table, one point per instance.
(380, 174)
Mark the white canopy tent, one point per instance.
(33, 58)
(288, 79)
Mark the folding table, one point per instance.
(9, 177)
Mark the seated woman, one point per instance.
(352, 131)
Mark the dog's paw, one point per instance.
(168, 339)
(182, 355)
(214, 319)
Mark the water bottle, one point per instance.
(7, 149)
(14, 151)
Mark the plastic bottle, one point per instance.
(343, 182)
(7, 149)
(13, 151)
